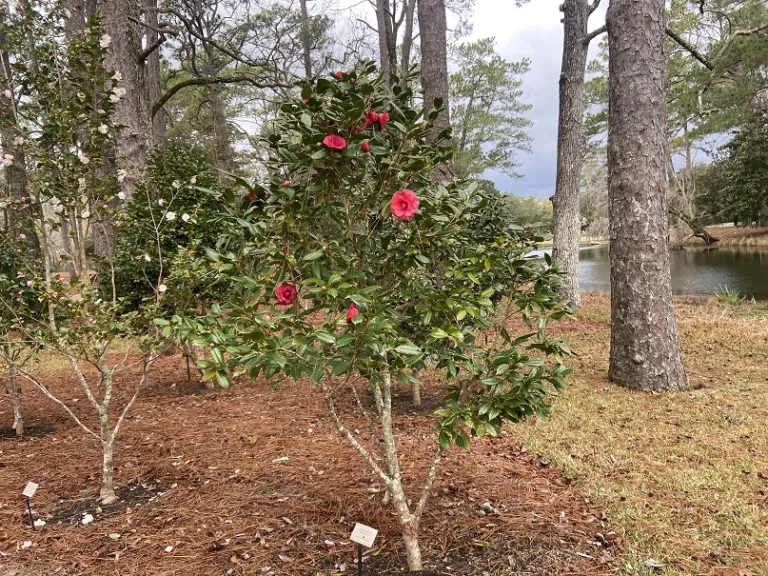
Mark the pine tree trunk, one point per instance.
(645, 353)
(571, 147)
(405, 58)
(434, 60)
(132, 111)
(18, 420)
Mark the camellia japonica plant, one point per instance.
(352, 263)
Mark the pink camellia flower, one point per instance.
(335, 142)
(383, 119)
(286, 293)
(371, 118)
(404, 204)
(365, 147)
(352, 311)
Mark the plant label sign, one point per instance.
(30, 489)
(364, 535)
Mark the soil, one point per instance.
(256, 481)
(29, 432)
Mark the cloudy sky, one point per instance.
(533, 31)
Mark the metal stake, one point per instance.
(29, 509)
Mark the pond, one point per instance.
(694, 271)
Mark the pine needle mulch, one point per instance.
(255, 481)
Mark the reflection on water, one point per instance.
(694, 271)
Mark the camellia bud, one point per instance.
(339, 75)
(287, 183)
(365, 147)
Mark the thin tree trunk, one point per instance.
(18, 420)
(434, 61)
(405, 57)
(383, 25)
(645, 353)
(416, 394)
(571, 148)
(107, 493)
(152, 72)
(306, 39)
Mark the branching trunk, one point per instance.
(384, 28)
(645, 353)
(152, 71)
(405, 58)
(390, 473)
(305, 40)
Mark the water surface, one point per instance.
(694, 270)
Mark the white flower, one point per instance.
(67, 13)
(105, 41)
(30, 283)
(87, 519)
(114, 98)
(170, 215)
(121, 174)
(121, 195)
(83, 158)
(176, 184)
(58, 208)
(147, 257)
(81, 187)
(23, 236)
(169, 549)
(119, 92)
(39, 523)
(18, 140)
(7, 159)
(161, 202)
(86, 214)
(26, 544)
(162, 288)
(185, 217)
(103, 128)
(7, 93)
(83, 199)
(117, 76)
(193, 180)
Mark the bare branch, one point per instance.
(40, 386)
(205, 80)
(594, 34)
(428, 484)
(695, 53)
(594, 6)
(148, 51)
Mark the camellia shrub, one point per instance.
(350, 261)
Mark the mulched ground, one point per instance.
(255, 481)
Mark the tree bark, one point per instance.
(434, 61)
(645, 353)
(571, 148)
(305, 39)
(384, 27)
(107, 493)
(154, 82)
(405, 58)
(416, 394)
(132, 111)
(15, 392)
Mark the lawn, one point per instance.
(683, 477)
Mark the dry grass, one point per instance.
(683, 476)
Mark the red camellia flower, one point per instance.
(339, 75)
(383, 119)
(335, 142)
(365, 147)
(371, 117)
(286, 293)
(352, 311)
(404, 204)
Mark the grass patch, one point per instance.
(683, 477)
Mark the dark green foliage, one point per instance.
(180, 180)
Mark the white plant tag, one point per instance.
(364, 535)
(30, 490)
